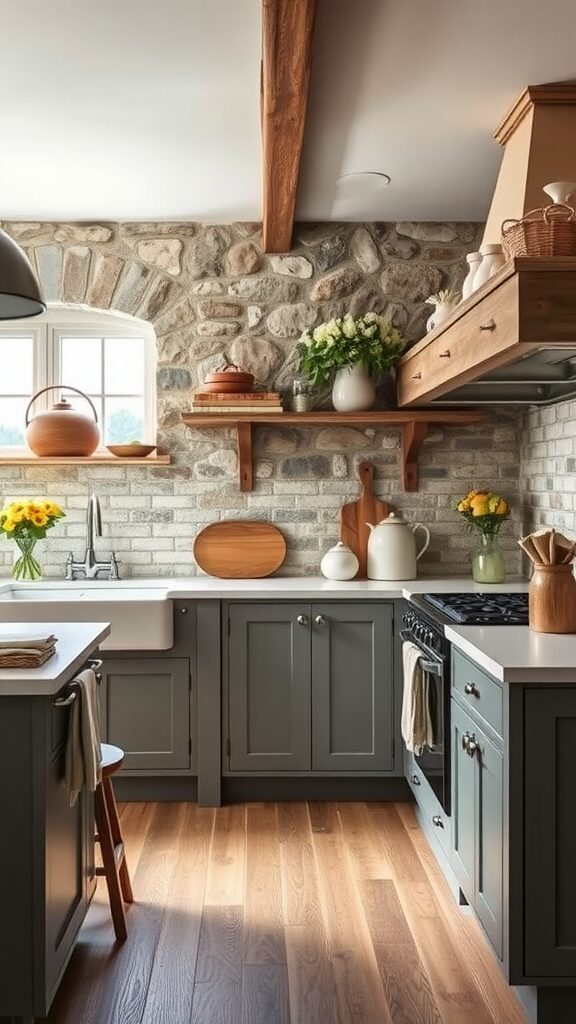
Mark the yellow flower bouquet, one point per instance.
(486, 512)
(27, 522)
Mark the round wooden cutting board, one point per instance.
(239, 549)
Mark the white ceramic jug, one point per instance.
(392, 551)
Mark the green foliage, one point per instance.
(347, 341)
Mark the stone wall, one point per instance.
(548, 467)
(211, 292)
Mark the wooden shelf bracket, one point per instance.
(413, 434)
(245, 470)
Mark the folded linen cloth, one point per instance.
(30, 642)
(83, 750)
(416, 722)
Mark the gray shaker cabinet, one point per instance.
(477, 826)
(310, 687)
(46, 858)
(549, 879)
(352, 690)
(146, 710)
(269, 687)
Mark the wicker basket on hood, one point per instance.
(548, 231)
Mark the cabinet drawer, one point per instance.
(438, 824)
(478, 692)
(473, 344)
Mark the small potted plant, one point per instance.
(486, 512)
(351, 352)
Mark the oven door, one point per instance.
(434, 762)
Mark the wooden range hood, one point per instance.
(539, 136)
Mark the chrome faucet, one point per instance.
(90, 568)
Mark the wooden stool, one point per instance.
(109, 835)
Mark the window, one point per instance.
(108, 356)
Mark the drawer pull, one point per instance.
(437, 821)
(445, 355)
(471, 690)
(65, 702)
(415, 780)
(417, 376)
(489, 326)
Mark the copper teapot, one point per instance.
(62, 431)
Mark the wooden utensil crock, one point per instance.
(552, 599)
(62, 431)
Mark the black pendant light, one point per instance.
(20, 294)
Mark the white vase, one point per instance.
(492, 260)
(441, 313)
(560, 191)
(339, 563)
(473, 261)
(353, 389)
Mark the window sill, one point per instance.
(86, 460)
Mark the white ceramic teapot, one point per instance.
(392, 551)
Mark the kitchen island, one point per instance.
(47, 874)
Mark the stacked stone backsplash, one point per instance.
(211, 293)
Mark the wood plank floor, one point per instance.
(287, 913)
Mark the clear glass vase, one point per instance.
(26, 567)
(488, 564)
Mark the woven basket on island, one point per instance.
(548, 231)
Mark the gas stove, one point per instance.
(476, 609)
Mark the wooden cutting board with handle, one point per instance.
(239, 549)
(353, 517)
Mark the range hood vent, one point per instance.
(542, 377)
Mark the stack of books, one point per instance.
(236, 402)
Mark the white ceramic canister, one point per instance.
(493, 259)
(339, 563)
(392, 553)
(473, 260)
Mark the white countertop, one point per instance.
(295, 587)
(76, 641)
(516, 654)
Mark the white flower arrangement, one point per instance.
(347, 341)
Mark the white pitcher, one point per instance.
(392, 551)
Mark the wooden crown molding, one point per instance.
(287, 32)
(555, 92)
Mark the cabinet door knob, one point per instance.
(471, 746)
(302, 620)
(471, 690)
(415, 780)
(320, 620)
(465, 740)
(437, 820)
(488, 326)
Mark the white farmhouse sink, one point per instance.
(141, 617)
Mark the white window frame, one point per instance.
(82, 321)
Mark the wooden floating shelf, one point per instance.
(82, 460)
(414, 424)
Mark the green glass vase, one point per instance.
(488, 564)
(26, 567)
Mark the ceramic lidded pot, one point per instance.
(392, 553)
(62, 431)
(339, 563)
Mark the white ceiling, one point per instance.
(140, 109)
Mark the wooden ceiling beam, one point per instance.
(287, 31)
